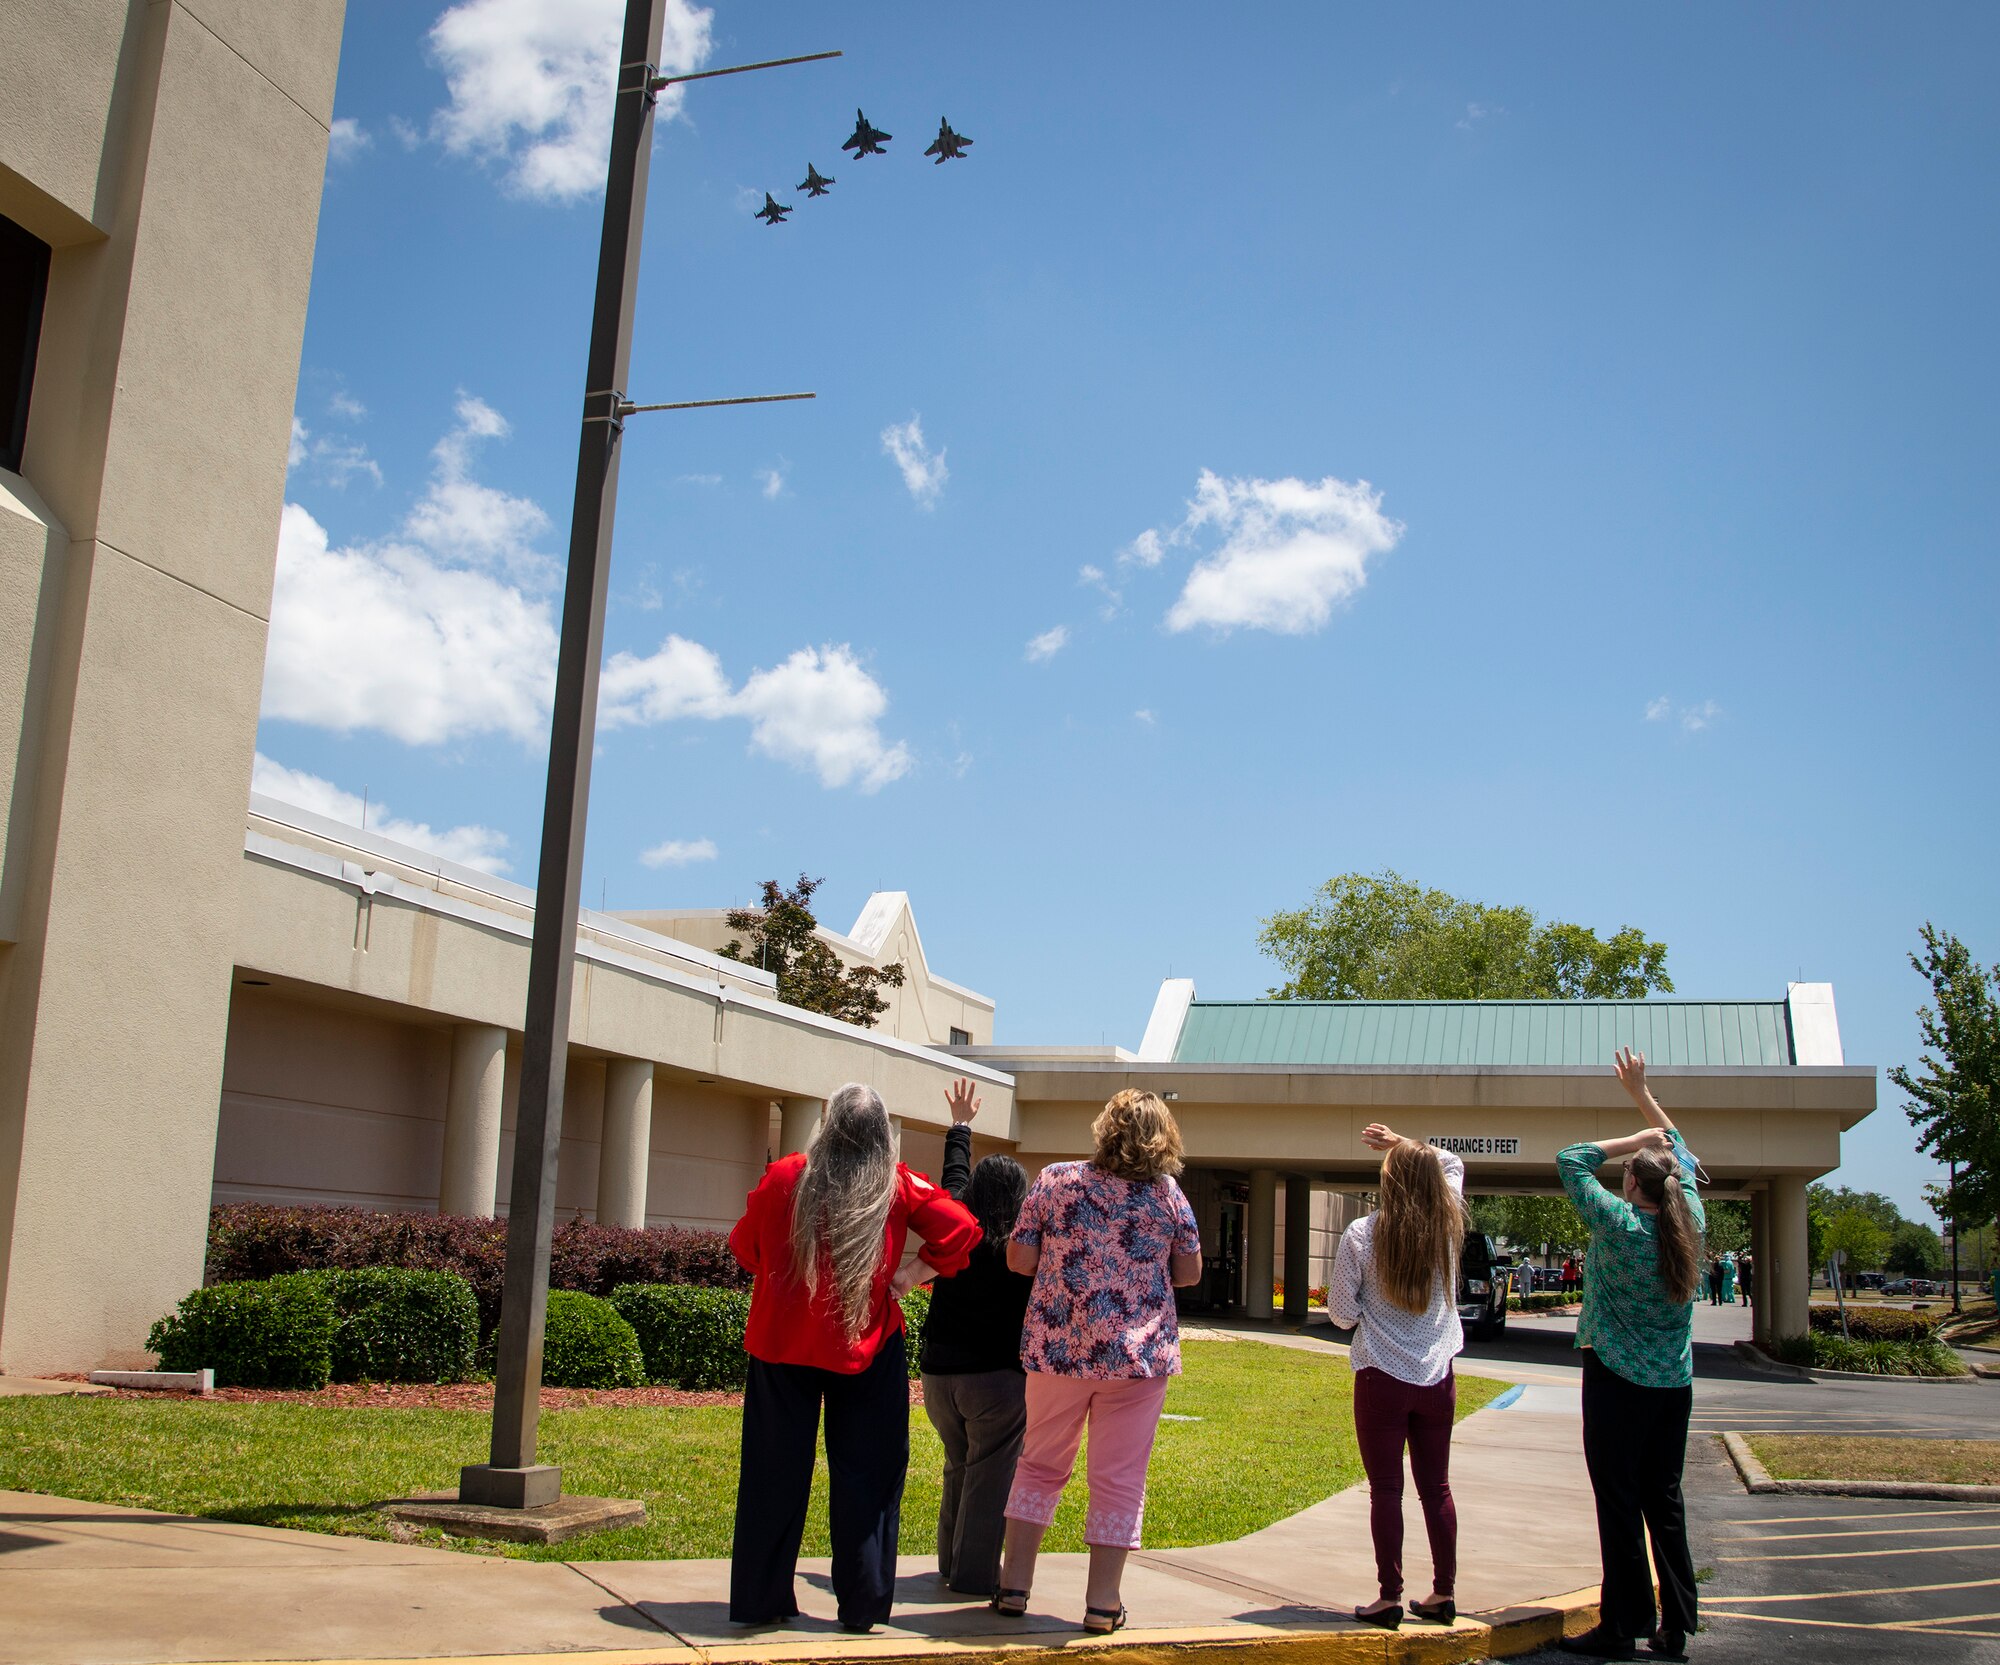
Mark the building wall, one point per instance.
(338, 1104)
(171, 153)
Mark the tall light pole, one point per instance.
(512, 1478)
(1951, 1219)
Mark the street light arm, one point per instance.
(660, 81)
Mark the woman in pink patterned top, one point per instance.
(1107, 1242)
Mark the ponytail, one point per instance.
(1657, 1175)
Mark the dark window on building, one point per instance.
(24, 281)
(961, 1037)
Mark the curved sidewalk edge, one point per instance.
(1761, 1361)
(1757, 1478)
(1504, 1633)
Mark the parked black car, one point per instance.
(1482, 1296)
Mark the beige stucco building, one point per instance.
(208, 997)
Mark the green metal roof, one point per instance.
(1544, 1033)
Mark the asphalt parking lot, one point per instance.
(1816, 1579)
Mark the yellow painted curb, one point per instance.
(1500, 1633)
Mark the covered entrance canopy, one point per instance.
(1271, 1089)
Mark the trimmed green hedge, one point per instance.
(278, 1334)
(689, 1337)
(1872, 1323)
(398, 1325)
(1542, 1301)
(693, 1338)
(586, 1344)
(1818, 1351)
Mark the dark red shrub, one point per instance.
(260, 1240)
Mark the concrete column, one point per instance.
(626, 1147)
(896, 1136)
(1760, 1274)
(1260, 1242)
(1298, 1244)
(797, 1117)
(1788, 1294)
(471, 1169)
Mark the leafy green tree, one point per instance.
(1728, 1227)
(1382, 937)
(1954, 1100)
(1860, 1235)
(1539, 1224)
(1839, 1199)
(782, 937)
(1915, 1251)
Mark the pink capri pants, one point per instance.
(1124, 1414)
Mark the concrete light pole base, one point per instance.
(485, 1486)
(547, 1523)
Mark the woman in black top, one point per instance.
(974, 1391)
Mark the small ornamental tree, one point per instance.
(1954, 1100)
(782, 937)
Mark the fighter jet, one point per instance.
(866, 140)
(947, 146)
(773, 212)
(815, 183)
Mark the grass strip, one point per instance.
(1275, 1432)
(1843, 1457)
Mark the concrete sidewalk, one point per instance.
(94, 1584)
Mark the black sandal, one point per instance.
(1439, 1613)
(1116, 1620)
(1001, 1598)
(1383, 1618)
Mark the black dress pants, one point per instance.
(867, 1455)
(1635, 1443)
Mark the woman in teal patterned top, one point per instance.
(1638, 1372)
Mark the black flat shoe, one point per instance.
(1004, 1602)
(1438, 1613)
(1383, 1618)
(1601, 1642)
(1102, 1621)
(1668, 1644)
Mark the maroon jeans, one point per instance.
(1388, 1414)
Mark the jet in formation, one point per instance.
(947, 146)
(815, 183)
(866, 140)
(773, 212)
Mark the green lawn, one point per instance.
(1276, 1433)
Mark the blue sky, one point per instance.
(1544, 450)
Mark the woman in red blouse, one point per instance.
(824, 1233)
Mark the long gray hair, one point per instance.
(841, 1207)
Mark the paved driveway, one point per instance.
(1816, 1579)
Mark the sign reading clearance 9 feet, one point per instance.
(1481, 1146)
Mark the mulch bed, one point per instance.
(442, 1396)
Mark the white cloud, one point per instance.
(384, 636)
(924, 472)
(1692, 718)
(1476, 113)
(432, 635)
(1143, 715)
(531, 85)
(1048, 644)
(1145, 550)
(683, 679)
(469, 846)
(346, 138)
(679, 852)
(1290, 552)
(336, 461)
(770, 481)
(406, 133)
(344, 404)
(295, 452)
(476, 523)
(821, 709)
